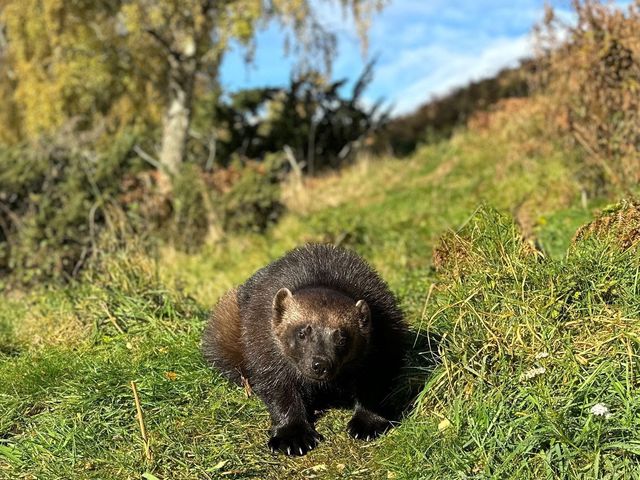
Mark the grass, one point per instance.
(68, 355)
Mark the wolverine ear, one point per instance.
(364, 314)
(280, 302)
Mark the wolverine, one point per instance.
(315, 329)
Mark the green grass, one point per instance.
(68, 355)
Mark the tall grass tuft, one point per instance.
(540, 360)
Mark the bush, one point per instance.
(593, 79)
(60, 205)
(192, 212)
(253, 202)
(52, 205)
(322, 126)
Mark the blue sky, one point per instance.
(424, 47)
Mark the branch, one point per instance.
(291, 158)
(147, 158)
(165, 44)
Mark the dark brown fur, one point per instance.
(316, 328)
(223, 346)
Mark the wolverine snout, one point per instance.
(321, 365)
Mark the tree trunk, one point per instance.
(176, 121)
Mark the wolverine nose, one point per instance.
(321, 366)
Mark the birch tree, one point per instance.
(124, 60)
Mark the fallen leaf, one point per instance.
(443, 425)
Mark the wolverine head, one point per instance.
(320, 330)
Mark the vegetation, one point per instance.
(312, 120)
(146, 59)
(67, 406)
(438, 118)
(54, 201)
(57, 194)
(511, 245)
(592, 83)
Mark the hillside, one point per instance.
(440, 116)
(535, 331)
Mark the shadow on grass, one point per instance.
(421, 359)
(8, 351)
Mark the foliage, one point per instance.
(60, 207)
(51, 47)
(253, 202)
(53, 201)
(192, 210)
(592, 76)
(438, 118)
(9, 113)
(322, 127)
(244, 197)
(116, 64)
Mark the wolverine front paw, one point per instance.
(294, 439)
(365, 425)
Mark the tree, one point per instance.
(72, 62)
(313, 120)
(126, 60)
(192, 36)
(9, 115)
(57, 54)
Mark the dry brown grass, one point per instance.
(620, 223)
(354, 185)
(592, 80)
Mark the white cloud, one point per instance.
(425, 47)
(446, 69)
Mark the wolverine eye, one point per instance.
(340, 338)
(303, 332)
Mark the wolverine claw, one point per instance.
(294, 440)
(367, 425)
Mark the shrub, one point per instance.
(593, 79)
(253, 201)
(52, 203)
(192, 211)
(62, 203)
(312, 116)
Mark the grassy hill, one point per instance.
(534, 332)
